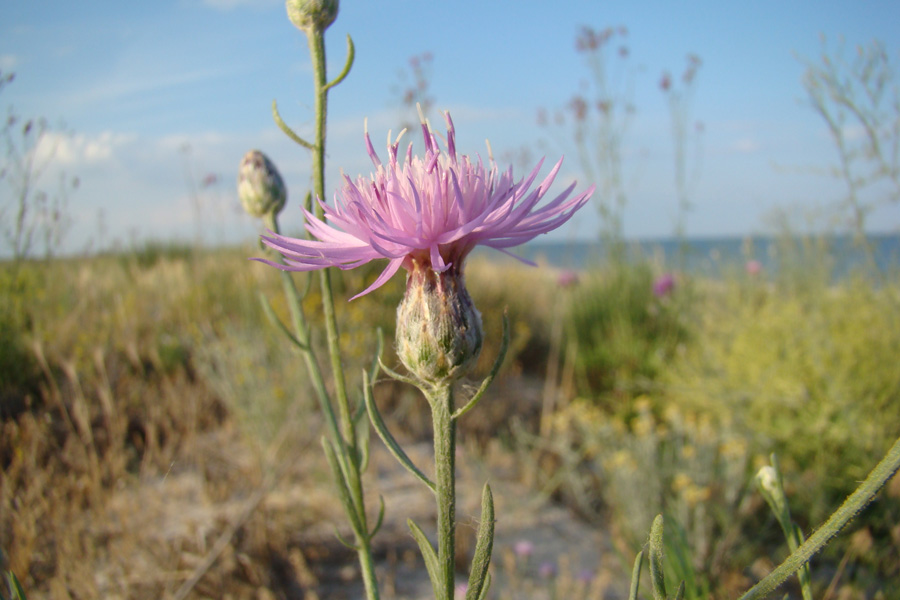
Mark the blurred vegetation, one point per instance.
(667, 392)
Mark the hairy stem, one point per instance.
(852, 506)
(445, 482)
(347, 441)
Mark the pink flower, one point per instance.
(426, 213)
(753, 267)
(664, 285)
(523, 548)
(567, 279)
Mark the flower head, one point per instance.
(260, 186)
(523, 548)
(664, 285)
(426, 212)
(309, 14)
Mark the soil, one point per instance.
(176, 536)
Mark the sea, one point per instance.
(720, 256)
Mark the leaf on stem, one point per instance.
(287, 130)
(429, 555)
(487, 586)
(351, 54)
(380, 519)
(636, 576)
(387, 438)
(344, 542)
(401, 378)
(657, 576)
(504, 346)
(483, 547)
(341, 484)
(270, 314)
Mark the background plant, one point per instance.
(29, 212)
(857, 96)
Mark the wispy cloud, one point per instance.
(8, 62)
(745, 146)
(74, 151)
(124, 87)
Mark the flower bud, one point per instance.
(260, 186)
(309, 14)
(770, 485)
(439, 333)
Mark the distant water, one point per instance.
(717, 256)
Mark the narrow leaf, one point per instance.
(487, 586)
(351, 54)
(504, 346)
(380, 518)
(429, 555)
(270, 314)
(387, 438)
(636, 576)
(657, 576)
(483, 546)
(344, 542)
(287, 130)
(341, 485)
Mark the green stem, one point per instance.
(445, 482)
(854, 503)
(316, 39)
(348, 441)
(301, 332)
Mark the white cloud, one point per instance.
(8, 62)
(82, 150)
(745, 146)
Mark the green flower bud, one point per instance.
(260, 186)
(307, 14)
(439, 334)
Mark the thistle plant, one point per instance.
(426, 214)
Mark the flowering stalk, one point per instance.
(262, 193)
(425, 214)
(771, 486)
(348, 455)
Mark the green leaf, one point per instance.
(657, 576)
(429, 555)
(387, 438)
(483, 546)
(341, 485)
(287, 130)
(636, 576)
(504, 346)
(351, 54)
(273, 318)
(487, 586)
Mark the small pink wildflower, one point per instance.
(567, 279)
(664, 285)
(547, 570)
(523, 548)
(753, 267)
(426, 213)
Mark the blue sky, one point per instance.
(138, 83)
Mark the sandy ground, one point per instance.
(174, 532)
